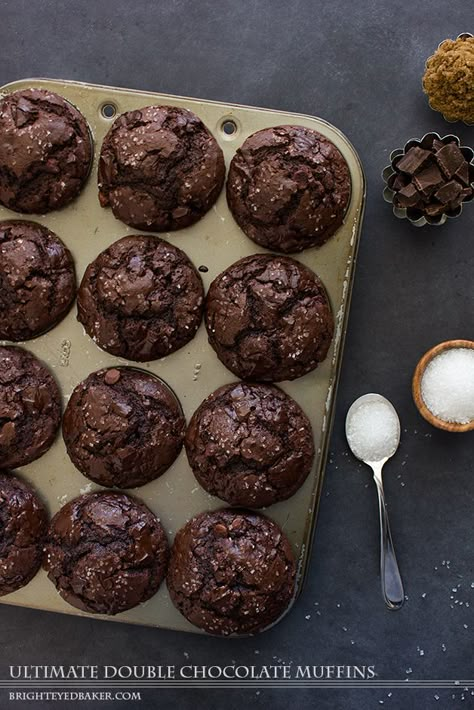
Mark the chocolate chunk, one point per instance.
(398, 180)
(112, 376)
(408, 196)
(462, 173)
(434, 209)
(428, 180)
(448, 192)
(449, 159)
(413, 160)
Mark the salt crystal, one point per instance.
(373, 431)
(447, 385)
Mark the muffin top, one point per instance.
(123, 427)
(30, 407)
(106, 552)
(45, 151)
(288, 188)
(250, 444)
(23, 526)
(141, 298)
(160, 168)
(268, 318)
(37, 280)
(231, 572)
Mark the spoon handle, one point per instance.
(392, 586)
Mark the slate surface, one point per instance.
(358, 65)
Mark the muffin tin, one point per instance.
(193, 372)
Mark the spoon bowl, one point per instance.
(370, 443)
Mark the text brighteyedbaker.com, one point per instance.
(74, 695)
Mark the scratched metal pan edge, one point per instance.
(215, 241)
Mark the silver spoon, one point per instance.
(392, 587)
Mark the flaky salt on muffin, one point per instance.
(106, 552)
(160, 168)
(23, 526)
(123, 427)
(45, 151)
(231, 572)
(250, 444)
(449, 79)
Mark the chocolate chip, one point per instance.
(111, 377)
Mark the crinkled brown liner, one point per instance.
(388, 171)
(463, 35)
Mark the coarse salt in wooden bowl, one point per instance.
(417, 387)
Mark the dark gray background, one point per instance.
(358, 65)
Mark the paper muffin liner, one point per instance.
(463, 35)
(413, 215)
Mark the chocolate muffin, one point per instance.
(231, 572)
(141, 299)
(45, 151)
(37, 280)
(123, 427)
(106, 552)
(23, 526)
(160, 169)
(250, 444)
(288, 188)
(268, 318)
(30, 407)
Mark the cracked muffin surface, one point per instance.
(160, 168)
(250, 444)
(268, 318)
(231, 572)
(141, 299)
(30, 407)
(123, 427)
(106, 552)
(37, 280)
(288, 188)
(45, 151)
(23, 526)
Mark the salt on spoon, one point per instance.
(373, 434)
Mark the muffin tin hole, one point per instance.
(229, 127)
(108, 110)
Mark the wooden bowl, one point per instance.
(416, 386)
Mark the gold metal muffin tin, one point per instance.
(194, 371)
